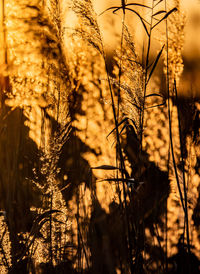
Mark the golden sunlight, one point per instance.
(99, 136)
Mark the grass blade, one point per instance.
(165, 17)
(155, 63)
(105, 167)
(130, 180)
(158, 3)
(159, 105)
(159, 12)
(141, 19)
(120, 123)
(137, 4)
(111, 8)
(154, 94)
(124, 7)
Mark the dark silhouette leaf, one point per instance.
(159, 12)
(111, 8)
(124, 7)
(141, 19)
(159, 105)
(124, 126)
(155, 64)
(165, 17)
(134, 124)
(137, 4)
(154, 94)
(123, 121)
(105, 167)
(134, 104)
(46, 214)
(158, 3)
(130, 180)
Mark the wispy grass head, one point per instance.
(132, 79)
(88, 28)
(176, 28)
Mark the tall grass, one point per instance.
(53, 217)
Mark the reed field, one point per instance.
(99, 136)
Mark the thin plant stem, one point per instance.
(119, 149)
(166, 239)
(169, 118)
(50, 230)
(146, 76)
(119, 96)
(183, 169)
(84, 250)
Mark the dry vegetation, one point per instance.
(99, 146)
